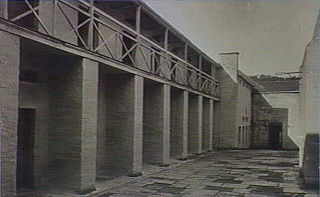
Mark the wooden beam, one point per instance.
(121, 6)
(200, 71)
(200, 62)
(166, 34)
(72, 49)
(213, 71)
(90, 31)
(4, 9)
(138, 20)
(54, 17)
(186, 52)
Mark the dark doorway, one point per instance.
(275, 135)
(25, 154)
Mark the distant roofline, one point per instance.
(251, 82)
(278, 92)
(237, 53)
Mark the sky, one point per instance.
(270, 35)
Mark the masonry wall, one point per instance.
(35, 96)
(289, 101)
(72, 124)
(282, 115)
(309, 92)
(119, 124)
(156, 124)
(195, 124)
(227, 116)
(207, 124)
(244, 105)
(9, 79)
(64, 125)
(179, 123)
(261, 116)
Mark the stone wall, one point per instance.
(261, 116)
(35, 96)
(119, 124)
(289, 101)
(156, 124)
(244, 111)
(9, 83)
(195, 124)
(227, 114)
(179, 123)
(72, 124)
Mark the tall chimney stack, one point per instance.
(230, 62)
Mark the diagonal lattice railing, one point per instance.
(101, 33)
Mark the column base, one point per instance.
(193, 156)
(86, 190)
(164, 165)
(137, 174)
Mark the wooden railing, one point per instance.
(101, 33)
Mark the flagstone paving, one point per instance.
(249, 173)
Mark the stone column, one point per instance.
(156, 134)
(179, 124)
(207, 137)
(137, 138)
(195, 124)
(73, 125)
(120, 124)
(9, 84)
(89, 123)
(206, 130)
(211, 124)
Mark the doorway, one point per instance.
(275, 135)
(25, 153)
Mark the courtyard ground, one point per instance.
(218, 173)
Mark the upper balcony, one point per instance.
(126, 31)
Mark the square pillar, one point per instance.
(216, 124)
(73, 125)
(137, 138)
(9, 85)
(156, 134)
(120, 124)
(211, 123)
(179, 124)
(207, 124)
(89, 123)
(195, 124)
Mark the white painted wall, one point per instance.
(290, 101)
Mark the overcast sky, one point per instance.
(270, 35)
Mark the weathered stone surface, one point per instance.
(9, 83)
(310, 165)
(200, 181)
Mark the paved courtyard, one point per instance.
(221, 173)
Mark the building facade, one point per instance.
(97, 88)
(308, 137)
(233, 112)
(276, 113)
